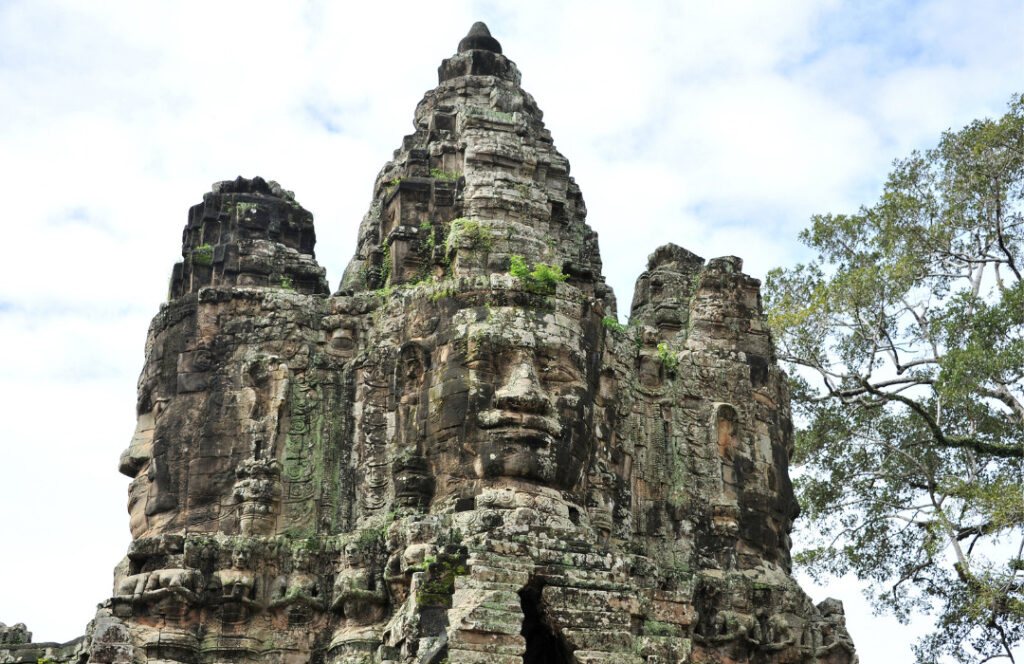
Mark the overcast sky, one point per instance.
(720, 126)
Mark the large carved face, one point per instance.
(513, 393)
(150, 493)
(664, 292)
(200, 424)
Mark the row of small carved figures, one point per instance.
(361, 596)
(356, 590)
(775, 632)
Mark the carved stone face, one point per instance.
(177, 472)
(666, 289)
(150, 494)
(514, 392)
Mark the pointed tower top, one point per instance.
(479, 182)
(479, 38)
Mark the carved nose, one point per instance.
(521, 391)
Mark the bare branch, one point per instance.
(1002, 241)
(940, 439)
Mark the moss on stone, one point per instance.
(439, 585)
(202, 255)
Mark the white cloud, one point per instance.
(717, 126)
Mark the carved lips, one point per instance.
(529, 428)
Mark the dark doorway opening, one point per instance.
(543, 645)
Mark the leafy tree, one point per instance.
(907, 338)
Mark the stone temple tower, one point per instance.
(460, 456)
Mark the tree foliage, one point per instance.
(907, 338)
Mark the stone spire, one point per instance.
(478, 181)
(479, 37)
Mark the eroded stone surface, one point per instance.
(445, 461)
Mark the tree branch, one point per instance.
(999, 234)
(964, 442)
(1002, 393)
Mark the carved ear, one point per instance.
(726, 430)
(413, 361)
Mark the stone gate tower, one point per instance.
(460, 456)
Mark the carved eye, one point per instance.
(554, 371)
(480, 361)
(559, 375)
(482, 354)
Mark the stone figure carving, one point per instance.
(257, 491)
(151, 586)
(360, 594)
(461, 455)
(298, 592)
(238, 582)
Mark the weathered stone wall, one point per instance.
(248, 233)
(461, 456)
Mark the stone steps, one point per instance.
(599, 639)
(458, 656)
(601, 657)
(502, 644)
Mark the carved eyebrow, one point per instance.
(560, 373)
(480, 350)
(499, 338)
(476, 355)
(479, 343)
(577, 359)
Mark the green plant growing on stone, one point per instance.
(439, 585)
(477, 235)
(659, 628)
(369, 539)
(668, 358)
(427, 245)
(612, 323)
(542, 279)
(286, 283)
(517, 267)
(546, 276)
(202, 255)
(440, 174)
(384, 292)
(444, 289)
(425, 250)
(385, 264)
(389, 519)
(450, 537)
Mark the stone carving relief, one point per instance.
(461, 455)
